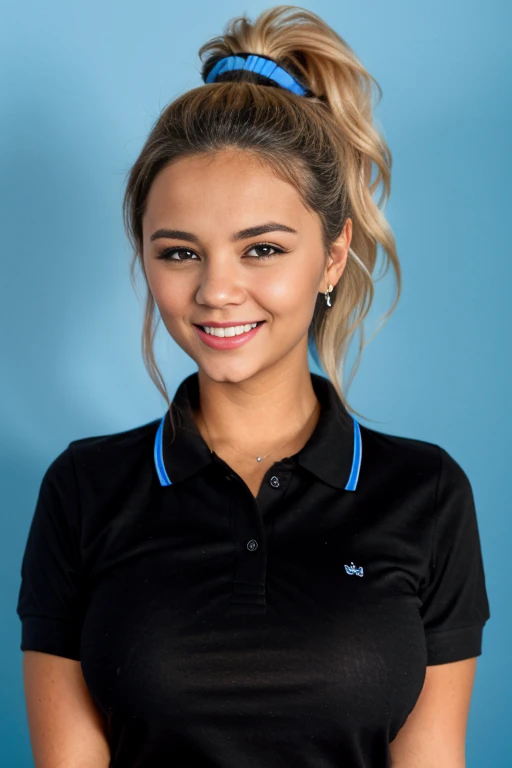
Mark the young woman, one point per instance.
(254, 579)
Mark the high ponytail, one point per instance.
(326, 145)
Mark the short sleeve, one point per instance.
(455, 604)
(51, 600)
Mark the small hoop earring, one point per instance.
(327, 296)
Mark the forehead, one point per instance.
(228, 184)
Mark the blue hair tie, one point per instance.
(261, 65)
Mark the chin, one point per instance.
(227, 372)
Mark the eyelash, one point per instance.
(167, 252)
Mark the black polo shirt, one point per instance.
(218, 629)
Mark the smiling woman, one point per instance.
(255, 579)
(223, 204)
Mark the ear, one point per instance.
(338, 256)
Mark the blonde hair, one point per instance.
(325, 145)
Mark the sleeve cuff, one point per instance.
(454, 644)
(49, 635)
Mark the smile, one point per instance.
(231, 330)
(229, 337)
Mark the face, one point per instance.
(226, 243)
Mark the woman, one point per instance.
(255, 579)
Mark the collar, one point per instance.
(333, 452)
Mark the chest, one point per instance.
(295, 600)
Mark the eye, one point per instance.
(168, 254)
(267, 246)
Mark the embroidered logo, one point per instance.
(352, 569)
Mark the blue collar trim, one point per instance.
(159, 457)
(350, 486)
(356, 458)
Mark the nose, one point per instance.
(220, 283)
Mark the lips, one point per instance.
(227, 342)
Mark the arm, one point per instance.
(434, 734)
(67, 730)
(454, 610)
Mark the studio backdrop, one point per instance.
(81, 84)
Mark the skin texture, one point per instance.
(254, 399)
(66, 728)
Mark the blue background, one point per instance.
(80, 87)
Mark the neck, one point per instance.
(259, 414)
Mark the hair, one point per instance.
(326, 145)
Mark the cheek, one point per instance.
(288, 294)
(170, 295)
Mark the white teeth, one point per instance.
(232, 330)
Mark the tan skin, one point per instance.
(254, 400)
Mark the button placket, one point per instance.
(250, 567)
(249, 587)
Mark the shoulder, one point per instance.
(382, 450)
(413, 461)
(109, 460)
(95, 448)
(420, 466)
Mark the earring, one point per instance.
(327, 297)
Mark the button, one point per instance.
(274, 481)
(252, 545)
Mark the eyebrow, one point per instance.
(243, 234)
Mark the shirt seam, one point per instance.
(435, 504)
(433, 553)
(79, 508)
(454, 629)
